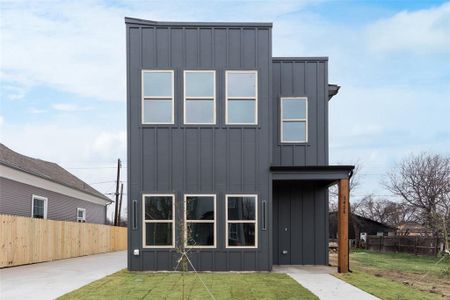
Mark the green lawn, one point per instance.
(399, 275)
(139, 285)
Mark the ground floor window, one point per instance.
(241, 219)
(159, 221)
(39, 207)
(200, 221)
(81, 215)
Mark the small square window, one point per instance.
(294, 120)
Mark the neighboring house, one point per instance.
(230, 142)
(413, 229)
(36, 188)
(360, 225)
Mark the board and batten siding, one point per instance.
(301, 77)
(16, 197)
(180, 159)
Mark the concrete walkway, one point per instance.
(50, 280)
(318, 280)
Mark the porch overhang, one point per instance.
(328, 175)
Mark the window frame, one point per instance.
(192, 98)
(144, 97)
(200, 221)
(235, 98)
(241, 221)
(305, 120)
(42, 198)
(83, 219)
(172, 221)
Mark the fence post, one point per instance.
(415, 245)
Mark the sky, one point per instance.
(62, 77)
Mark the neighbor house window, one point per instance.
(241, 97)
(39, 207)
(294, 120)
(159, 221)
(81, 215)
(241, 227)
(200, 221)
(157, 97)
(199, 97)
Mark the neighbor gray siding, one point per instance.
(301, 77)
(15, 199)
(182, 159)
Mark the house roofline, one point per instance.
(105, 199)
(300, 58)
(137, 21)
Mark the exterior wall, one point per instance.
(303, 209)
(301, 77)
(15, 199)
(182, 159)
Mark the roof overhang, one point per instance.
(324, 174)
(143, 22)
(333, 89)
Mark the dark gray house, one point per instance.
(229, 144)
(36, 188)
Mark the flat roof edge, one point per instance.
(136, 21)
(305, 58)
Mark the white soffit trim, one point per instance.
(19, 176)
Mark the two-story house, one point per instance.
(228, 148)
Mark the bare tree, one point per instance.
(384, 211)
(423, 182)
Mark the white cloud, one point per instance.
(421, 31)
(106, 141)
(36, 111)
(66, 107)
(2, 120)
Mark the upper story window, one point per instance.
(81, 215)
(241, 97)
(294, 120)
(39, 207)
(199, 97)
(157, 97)
(200, 218)
(159, 221)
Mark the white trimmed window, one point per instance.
(157, 97)
(200, 221)
(39, 207)
(294, 120)
(159, 221)
(199, 97)
(242, 221)
(81, 215)
(241, 105)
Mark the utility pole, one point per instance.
(116, 212)
(120, 204)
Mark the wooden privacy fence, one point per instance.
(26, 240)
(410, 244)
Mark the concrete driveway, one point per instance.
(50, 280)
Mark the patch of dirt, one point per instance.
(439, 285)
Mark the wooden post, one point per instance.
(343, 214)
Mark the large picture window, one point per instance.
(294, 120)
(157, 97)
(39, 207)
(159, 221)
(199, 97)
(200, 221)
(241, 97)
(242, 221)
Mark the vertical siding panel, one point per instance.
(192, 163)
(207, 170)
(191, 48)
(176, 44)
(322, 101)
(163, 162)
(249, 159)
(249, 48)
(235, 159)
(311, 85)
(148, 47)
(162, 47)
(206, 50)
(234, 48)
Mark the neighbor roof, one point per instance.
(46, 170)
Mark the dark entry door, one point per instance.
(284, 227)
